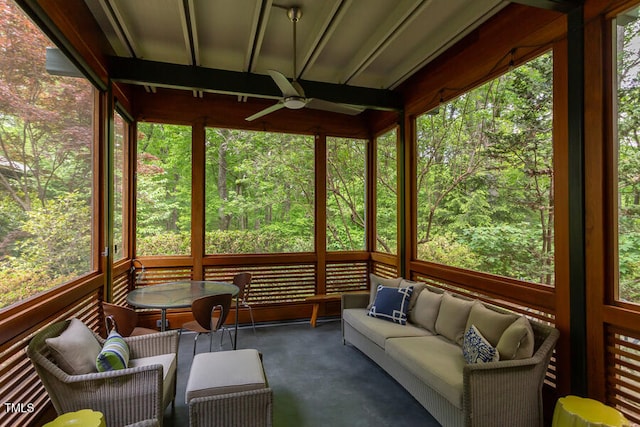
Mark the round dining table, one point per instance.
(180, 294)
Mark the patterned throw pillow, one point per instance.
(476, 349)
(114, 354)
(391, 304)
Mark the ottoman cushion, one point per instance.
(224, 372)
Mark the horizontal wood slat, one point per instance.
(271, 283)
(623, 372)
(120, 288)
(156, 275)
(384, 270)
(346, 277)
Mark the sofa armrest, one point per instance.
(508, 392)
(355, 300)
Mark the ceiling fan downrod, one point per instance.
(294, 13)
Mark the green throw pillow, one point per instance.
(114, 354)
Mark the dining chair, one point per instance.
(210, 313)
(243, 282)
(125, 320)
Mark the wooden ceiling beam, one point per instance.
(175, 76)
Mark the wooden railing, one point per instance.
(623, 371)
(19, 383)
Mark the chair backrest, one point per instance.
(243, 282)
(125, 318)
(48, 371)
(203, 309)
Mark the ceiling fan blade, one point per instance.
(274, 107)
(319, 104)
(284, 84)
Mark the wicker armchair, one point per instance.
(127, 396)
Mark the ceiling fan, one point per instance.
(293, 96)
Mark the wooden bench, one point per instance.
(317, 300)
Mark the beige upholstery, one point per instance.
(137, 394)
(229, 388)
(238, 371)
(379, 330)
(435, 360)
(432, 367)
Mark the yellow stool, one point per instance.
(574, 411)
(81, 418)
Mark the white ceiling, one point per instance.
(368, 43)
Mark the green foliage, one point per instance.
(163, 189)
(46, 136)
(485, 177)
(275, 240)
(345, 194)
(445, 250)
(629, 162)
(260, 185)
(387, 193)
(55, 248)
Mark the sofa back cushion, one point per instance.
(517, 341)
(452, 317)
(417, 289)
(375, 281)
(426, 310)
(490, 323)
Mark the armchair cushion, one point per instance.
(114, 354)
(169, 366)
(75, 350)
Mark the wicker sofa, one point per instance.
(432, 368)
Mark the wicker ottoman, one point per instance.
(229, 388)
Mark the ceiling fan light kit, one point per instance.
(295, 102)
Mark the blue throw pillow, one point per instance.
(476, 349)
(391, 304)
(114, 354)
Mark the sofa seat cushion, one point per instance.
(378, 330)
(168, 362)
(433, 359)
